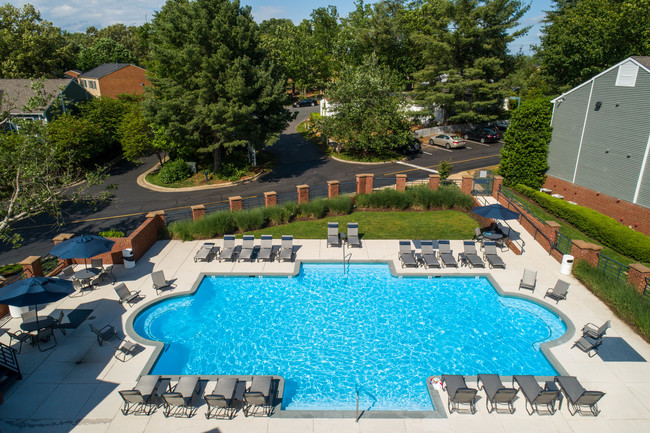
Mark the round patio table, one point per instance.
(32, 325)
(493, 236)
(86, 274)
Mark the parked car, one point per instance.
(307, 102)
(447, 140)
(413, 146)
(484, 135)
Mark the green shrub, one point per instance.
(625, 300)
(112, 233)
(277, 215)
(231, 171)
(182, 229)
(214, 224)
(421, 197)
(313, 209)
(595, 225)
(384, 199)
(451, 196)
(341, 205)
(174, 171)
(250, 219)
(11, 269)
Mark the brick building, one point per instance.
(112, 79)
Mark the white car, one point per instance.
(449, 141)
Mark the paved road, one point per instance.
(299, 162)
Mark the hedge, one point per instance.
(604, 229)
(420, 197)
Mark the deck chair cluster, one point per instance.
(335, 239)
(444, 256)
(248, 250)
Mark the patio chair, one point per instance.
(125, 351)
(588, 345)
(67, 272)
(353, 235)
(228, 252)
(105, 272)
(528, 280)
(446, 254)
(204, 254)
(45, 335)
(266, 248)
(492, 257)
(58, 322)
(469, 256)
(578, 397)
(259, 399)
(478, 236)
(496, 392)
(19, 336)
(247, 248)
(160, 283)
(221, 401)
(179, 402)
(144, 396)
(406, 255)
(28, 316)
(104, 334)
(286, 248)
(535, 395)
(590, 330)
(333, 238)
(126, 295)
(458, 393)
(429, 255)
(558, 292)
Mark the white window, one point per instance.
(627, 74)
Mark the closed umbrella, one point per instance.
(34, 291)
(82, 247)
(495, 211)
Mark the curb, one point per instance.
(364, 163)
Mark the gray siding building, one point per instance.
(601, 133)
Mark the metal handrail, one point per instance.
(8, 358)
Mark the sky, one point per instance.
(77, 15)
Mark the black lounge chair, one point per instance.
(228, 252)
(247, 248)
(180, 401)
(406, 255)
(446, 254)
(429, 255)
(104, 334)
(333, 238)
(259, 398)
(286, 248)
(578, 397)
(590, 330)
(160, 283)
(558, 292)
(492, 257)
(528, 280)
(588, 345)
(126, 295)
(458, 393)
(221, 401)
(204, 254)
(469, 256)
(266, 248)
(144, 396)
(535, 395)
(496, 392)
(353, 235)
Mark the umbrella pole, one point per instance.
(37, 326)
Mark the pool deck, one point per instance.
(74, 386)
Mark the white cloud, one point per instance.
(262, 13)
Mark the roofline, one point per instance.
(604, 72)
(81, 75)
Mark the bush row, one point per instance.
(625, 300)
(594, 224)
(420, 197)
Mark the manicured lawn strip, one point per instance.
(384, 225)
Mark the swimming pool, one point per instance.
(329, 335)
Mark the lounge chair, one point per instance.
(143, 398)
(228, 252)
(58, 322)
(469, 255)
(588, 345)
(535, 395)
(333, 238)
(179, 402)
(458, 393)
(222, 398)
(590, 330)
(286, 248)
(104, 334)
(67, 272)
(558, 292)
(126, 295)
(160, 283)
(204, 254)
(259, 397)
(266, 248)
(578, 397)
(353, 235)
(43, 336)
(406, 255)
(446, 254)
(429, 255)
(20, 337)
(493, 259)
(247, 248)
(125, 351)
(496, 392)
(528, 280)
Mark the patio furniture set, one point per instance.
(445, 256)
(247, 251)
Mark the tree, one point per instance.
(525, 150)
(103, 50)
(583, 37)
(367, 114)
(75, 139)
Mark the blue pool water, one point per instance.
(329, 335)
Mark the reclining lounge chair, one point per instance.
(286, 248)
(469, 256)
(490, 254)
(144, 396)
(160, 283)
(588, 345)
(247, 248)
(528, 280)
(429, 255)
(535, 395)
(353, 235)
(126, 295)
(333, 238)
(204, 254)
(446, 254)
(406, 255)
(222, 398)
(266, 248)
(228, 251)
(496, 392)
(180, 401)
(578, 397)
(458, 393)
(558, 292)
(590, 330)
(259, 398)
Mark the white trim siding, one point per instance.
(643, 165)
(582, 135)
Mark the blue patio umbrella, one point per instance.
(495, 211)
(82, 247)
(34, 291)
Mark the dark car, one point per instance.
(484, 135)
(307, 102)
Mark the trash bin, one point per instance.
(127, 256)
(567, 264)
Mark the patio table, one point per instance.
(493, 236)
(32, 325)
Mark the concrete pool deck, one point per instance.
(74, 386)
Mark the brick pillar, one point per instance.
(400, 182)
(235, 203)
(637, 275)
(270, 199)
(158, 213)
(434, 181)
(198, 212)
(32, 266)
(550, 229)
(303, 193)
(582, 250)
(370, 179)
(333, 188)
(57, 240)
(466, 186)
(498, 180)
(361, 184)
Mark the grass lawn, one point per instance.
(384, 225)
